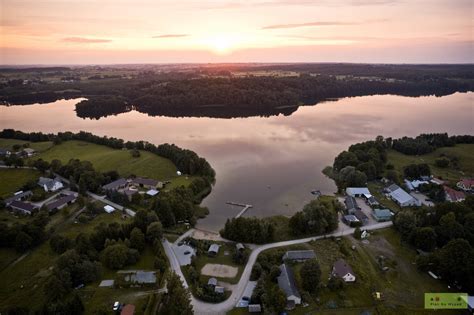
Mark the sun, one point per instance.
(221, 44)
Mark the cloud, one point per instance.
(280, 3)
(171, 36)
(85, 40)
(329, 23)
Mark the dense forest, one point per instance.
(216, 92)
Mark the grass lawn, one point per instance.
(37, 146)
(11, 180)
(7, 256)
(107, 159)
(102, 299)
(464, 152)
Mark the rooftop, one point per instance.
(286, 281)
(341, 268)
(299, 254)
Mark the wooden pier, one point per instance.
(244, 206)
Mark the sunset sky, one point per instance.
(164, 31)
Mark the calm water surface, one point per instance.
(272, 163)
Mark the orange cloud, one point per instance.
(83, 40)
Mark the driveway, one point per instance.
(366, 209)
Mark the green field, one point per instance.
(38, 146)
(11, 180)
(464, 152)
(107, 159)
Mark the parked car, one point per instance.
(116, 306)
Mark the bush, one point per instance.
(442, 162)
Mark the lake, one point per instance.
(272, 162)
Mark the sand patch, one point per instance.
(218, 270)
(206, 235)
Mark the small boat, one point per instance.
(317, 193)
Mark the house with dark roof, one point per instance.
(212, 282)
(299, 255)
(62, 202)
(364, 219)
(351, 204)
(116, 185)
(146, 182)
(24, 207)
(21, 195)
(342, 270)
(351, 220)
(286, 282)
(453, 195)
(371, 201)
(50, 184)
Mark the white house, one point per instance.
(50, 184)
(401, 197)
(357, 191)
(342, 270)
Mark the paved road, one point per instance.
(203, 308)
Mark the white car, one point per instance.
(116, 306)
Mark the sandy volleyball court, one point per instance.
(217, 270)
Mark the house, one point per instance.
(116, 185)
(213, 250)
(382, 215)
(466, 184)
(351, 220)
(357, 191)
(29, 152)
(453, 195)
(128, 309)
(255, 308)
(286, 282)
(342, 270)
(414, 184)
(401, 197)
(50, 184)
(25, 207)
(129, 192)
(5, 152)
(109, 209)
(146, 182)
(351, 204)
(212, 282)
(361, 217)
(239, 247)
(219, 289)
(299, 255)
(140, 276)
(371, 201)
(20, 195)
(62, 202)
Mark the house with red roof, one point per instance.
(453, 195)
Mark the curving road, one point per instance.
(203, 308)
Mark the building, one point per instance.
(29, 152)
(20, 195)
(342, 270)
(140, 276)
(152, 192)
(128, 309)
(239, 247)
(219, 289)
(109, 209)
(255, 308)
(62, 202)
(212, 282)
(466, 184)
(371, 201)
(146, 183)
(357, 191)
(453, 195)
(213, 250)
(351, 220)
(437, 181)
(382, 215)
(401, 197)
(116, 185)
(299, 255)
(414, 184)
(24, 207)
(351, 204)
(361, 217)
(286, 282)
(50, 184)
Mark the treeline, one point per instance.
(24, 236)
(427, 143)
(187, 161)
(446, 233)
(316, 218)
(159, 94)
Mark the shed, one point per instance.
(382, 215)
(255, 308)
(213, 250)
(219, 289)
(109, 209)
(152, 192)
(299, 255)
(212, 282)
(239, 246)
